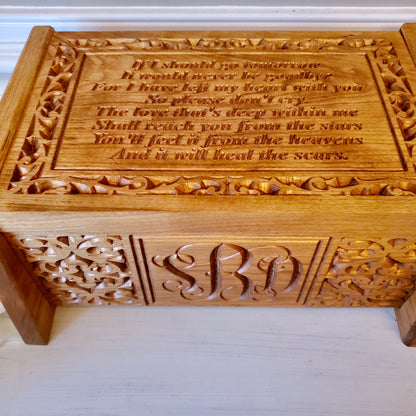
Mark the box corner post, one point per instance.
(406, 319)
(408, 31)
(27, 307)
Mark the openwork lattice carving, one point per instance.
(86, 270)
(29, 174)
(369, 273)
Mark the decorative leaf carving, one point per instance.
(369, 273)
(29, 176)
(85, 269)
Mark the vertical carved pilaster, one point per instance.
(27, 306)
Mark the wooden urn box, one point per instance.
(209, 168)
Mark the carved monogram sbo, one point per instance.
(229, 272)
(29, 176)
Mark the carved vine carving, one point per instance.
(87, 270)
(369, 273)
(229, 272)
(38, 140)
(28, 176)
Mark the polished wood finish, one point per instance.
(406, 318)
(406, 314)
(20, 85)
(214, 114)
(408, 31)
(216, 168)
(26, 305)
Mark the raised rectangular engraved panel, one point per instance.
(274, 111)
(231, 272)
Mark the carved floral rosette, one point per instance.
(29, 176)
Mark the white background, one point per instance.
(211, 361)
(206, 361)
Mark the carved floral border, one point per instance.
(28, 177)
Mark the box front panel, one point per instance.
(129, 270)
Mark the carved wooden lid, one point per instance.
(218, 113)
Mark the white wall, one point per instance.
(18, 17)
(277, 4)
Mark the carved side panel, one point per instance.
(86, 270)
(369, 273)
(230, 273)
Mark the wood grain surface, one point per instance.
(217, 113)
(20, 85)
(212, 168)
(207, 361)
(26, 305)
